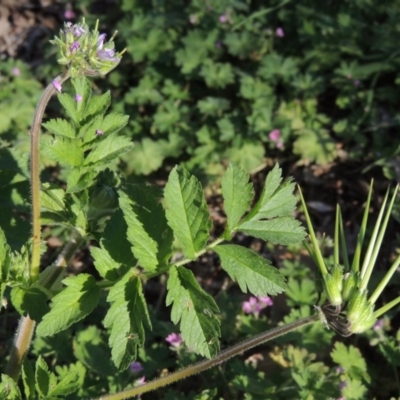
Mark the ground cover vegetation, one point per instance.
(165, 178)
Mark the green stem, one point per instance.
(219, 358)
(35, 174)
(26, 325)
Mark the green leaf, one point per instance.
(43, 378)
(276, 200)
(69, 105)
(9, 389)
(351, 360)
(252, 272)
(90, 348)
(107, 149)
(148, 230)
(284, 230)
(52, 198)
(98, 105)
(28, 380)
(5, 260)
(104, 263)
(68, 384)
(29, 301)
(79, 179)
(187, 211)
(62, 150)
(127, 317)
(71, 305)
(115, 242)
(238, 193)
(60, 127)
(195, 309)
(83, 87)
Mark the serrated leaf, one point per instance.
(43, 377)
(9, 389)
(4, 258)
(238, 193)
(79, 179)
(60, 127)
(98, 105)
(82, 88)
(195, 309)
(69, 105)
(104, 264)
(68, 384)
(62, 150)
(52, 198)
(119, 250)
(276, 200)
(28, 379)
(284, 230)
(127, 317)
(187, 211)
(107, 149)
(352, 361)
(252, 272)
(148, 230)
(29, 301)
(71, 305)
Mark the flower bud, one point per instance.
(360, 313)
(333, 285)
(350, 285)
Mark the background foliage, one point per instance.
(204, 83)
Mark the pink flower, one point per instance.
(74, 47)
(100, 41)
(193, 18)
(223, 18)
(255, 304)
(57, 85)
(279, 32)
(275, 135)
(379, 324)
(140, 381)
(69, 14)
(174, 339)
(78, 98)
(136, 367)
(99, 132)
(15, 71)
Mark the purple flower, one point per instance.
(78, 98)
(279, 32)
(379, 324)
(275, 135)
(136, 367)
(356, 82)
(223, 18)
(69, 14)
(254, 305)
(193, 18)
(15, 71)
(99, 132)
(77, 30)
(174, 339)
(218, 45)
(107, 55)
(266, 300)
(100, 41)
(57, 85)
(340, 369)
(74, 47)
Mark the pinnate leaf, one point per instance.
(284, 230)
(187, 211)
(127, 317)
(252, 272)
(69, 105)
(75, 302)
(62, 150)
(107, 149)
(195, 310)
(29, 301)
(148, 230)
(238, 193)
(9, 389)
(60, 127)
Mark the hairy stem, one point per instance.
(219, 358)
(35, 174)
(26, 325)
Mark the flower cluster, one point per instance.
(255, 304)
(86, 52)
